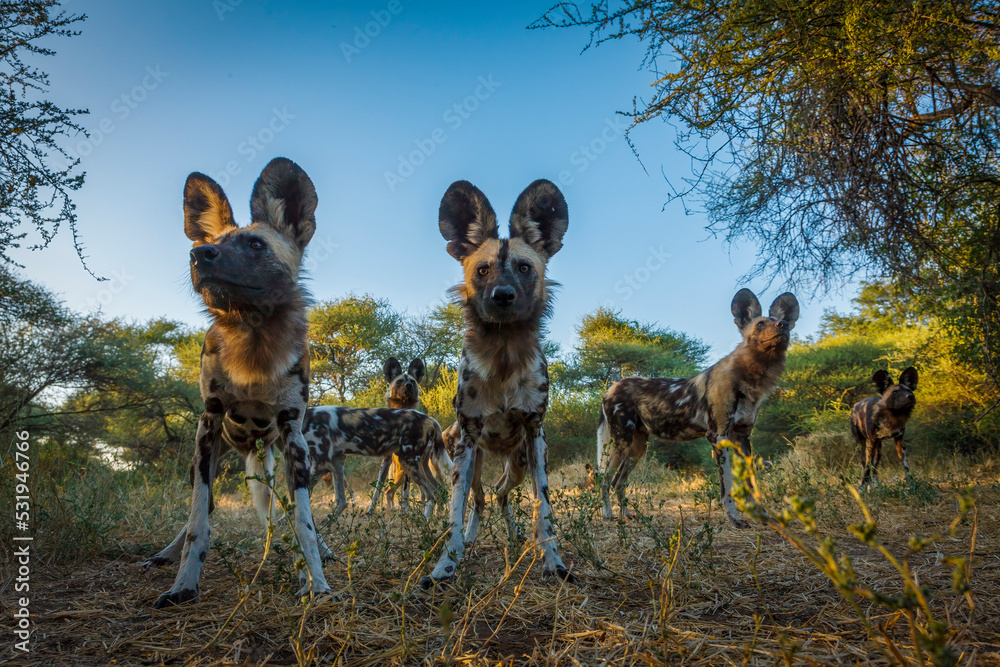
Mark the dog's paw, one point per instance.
(175, 598)
(428, 582)
(741, 524)
(560, 572)
(155, 561)
(317, 596)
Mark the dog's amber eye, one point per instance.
(483, 270)
(760, 325)
(257, 244)
(525, 267)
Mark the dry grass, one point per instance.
(673, 586)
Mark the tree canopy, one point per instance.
(842, 137)
(37, 175)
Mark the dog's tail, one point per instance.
(603, 437)
(439, 460)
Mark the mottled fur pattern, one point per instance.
(718, 403)
(503, 384)
(255, 360)
(884, 416)
(404, 394)
(333, 432)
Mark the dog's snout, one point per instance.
(204, 254)
(503, 295)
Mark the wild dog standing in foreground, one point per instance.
(332, 432)
(883, 416)
(404, 394)
(255, 360)
(503, 384)
(719, 403)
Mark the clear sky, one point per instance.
(383, 122)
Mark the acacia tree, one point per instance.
(611, 347)
(349, 340)
(37, 176)
(842, 137)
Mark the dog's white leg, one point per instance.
(461, 477)
(298, 475)
(726, 488)
(545, 534)
(170, 553)
(513, 474)
(479, 501)
(261, 491)
(383, 473)
(196, 534)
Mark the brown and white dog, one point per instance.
(883, 416)
(333, 432)
(404, 394)
(503, 384)
(255, 359)
(719, 403)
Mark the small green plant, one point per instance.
(933, 639)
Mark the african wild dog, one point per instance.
(255, 359)
(503, 384)
(883, 416)
(332, 432)
(718, 403)
(404, 393)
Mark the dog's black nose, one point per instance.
(204, 254)
(503, 295)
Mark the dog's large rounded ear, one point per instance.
(745, 308)
(465, 219)
(882, 381)
(785, 307)
(416, 369)
(284, 197)
(909, 378)
(392, 369)
(540, 217)
(207, 213)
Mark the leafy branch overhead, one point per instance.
(842, 139)
(37, 175)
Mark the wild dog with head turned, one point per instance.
(404, 394)
(883, 416)
(503, 384)
(255, 360)
(719, 403)
(333, 432)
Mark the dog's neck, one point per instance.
(398, 404)
(758, 369)
(501, 350)
(257, 346)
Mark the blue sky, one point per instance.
(383, 122)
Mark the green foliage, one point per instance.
(349, 340)
(825, 377)
(611, 347)
(840, 138)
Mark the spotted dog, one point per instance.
(254, 361)
(333, 432)
(718, 403)
(883, 416)
(404, 394)
(503, 385)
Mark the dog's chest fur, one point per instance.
(250, 411)
(876, 421)
(505, 409)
